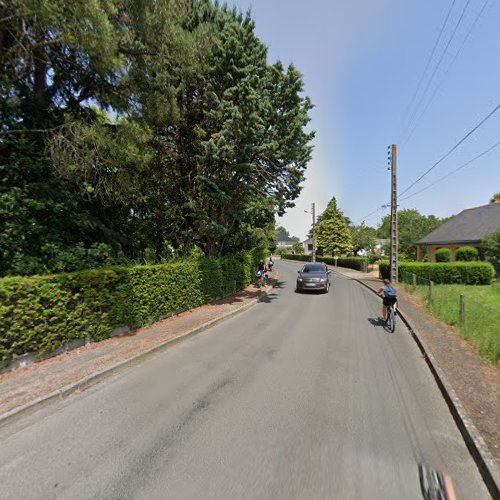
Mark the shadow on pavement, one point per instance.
(267, 299)
(377, 322)
(280, 284)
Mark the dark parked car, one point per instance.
(314, 276)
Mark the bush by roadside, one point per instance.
(467, 273)
(41, 313)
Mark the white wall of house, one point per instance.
(308, 246)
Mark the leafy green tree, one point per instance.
(363, 238)
(297, 245)
(333, 233)
(495, 198)
(412, 226)
(491, 245)
(251, 147)
(144, 126)
(54, 56)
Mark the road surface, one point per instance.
(301, 396)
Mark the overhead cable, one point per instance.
(429, 60)
(491, 148)
(471, 29)
(463, 139)
(424, 93)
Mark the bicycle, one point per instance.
(435, 485)
(258, 279)
(390, 319)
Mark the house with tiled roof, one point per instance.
(468, 228)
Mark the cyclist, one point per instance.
(390, 297)
(270, 264)
(260, 274)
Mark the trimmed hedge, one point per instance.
(443, 255)
(41, 313)
(467, 254)
(350, 262)
(466, 273)
(301, 257)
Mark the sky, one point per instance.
(362, 62)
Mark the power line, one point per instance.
(491, 148)
(471, 29)
(429, 59)
(370, 214)
(464, 138)
(422, 97)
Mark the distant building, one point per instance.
(379, 245)
(284, 242)
(468, 228)
(308, 246)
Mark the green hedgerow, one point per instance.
(41, 313)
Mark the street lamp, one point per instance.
(313, 213)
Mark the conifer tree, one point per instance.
(333, 233)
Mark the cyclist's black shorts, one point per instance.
(388, 301)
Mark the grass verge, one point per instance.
(482, 313)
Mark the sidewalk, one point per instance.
(475, 383)
(28, 388)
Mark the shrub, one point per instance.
(41, 313)
(384, 269)
(467, 254)
(443, 255)
(374, 257)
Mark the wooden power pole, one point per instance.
(394, 215)
(314, 232)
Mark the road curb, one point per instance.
(471, 435)
(94, 378)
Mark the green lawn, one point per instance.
(482, 326)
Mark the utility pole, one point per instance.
(394, 214)
(314, 232)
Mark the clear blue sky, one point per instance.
(362, 61)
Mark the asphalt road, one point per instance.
(301, 396)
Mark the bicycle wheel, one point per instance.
(391, 320)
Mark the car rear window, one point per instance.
(314, 268)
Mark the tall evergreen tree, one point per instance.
(333, 233)
(147, 124)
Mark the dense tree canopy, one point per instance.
(363, 238)
(141, 129)
(412, 226)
